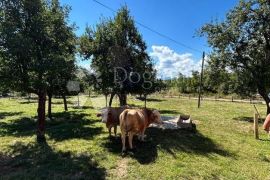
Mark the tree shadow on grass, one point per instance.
(168, 111)
(66, 125)
(69, 125)
(169, 141)
(60, 102)
(248, 119)
(40, 161)
(150, 99)
(155, 100)
(28, 102)
(20, 127)
(83, 107)
(3, 115)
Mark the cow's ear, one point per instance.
(152, 116)
(99, 115)
(154, 112)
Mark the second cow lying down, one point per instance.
(134, 122)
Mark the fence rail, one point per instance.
(251, 101)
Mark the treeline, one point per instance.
(216, 80)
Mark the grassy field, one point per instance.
(78, 146)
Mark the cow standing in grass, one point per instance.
(134, 122)
(110, 116)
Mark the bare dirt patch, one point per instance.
(122, 169)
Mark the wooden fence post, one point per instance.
(256, 131)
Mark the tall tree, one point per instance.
(119, 56)
(242, 42)
(58, 78)
(35, 38)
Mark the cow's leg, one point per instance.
(123, 137)
(110, 131)
(130, 139)
(115, 130)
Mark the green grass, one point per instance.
(78, 146)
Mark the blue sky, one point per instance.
(178, 19)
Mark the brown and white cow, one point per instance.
(134, 122)
(110, 116)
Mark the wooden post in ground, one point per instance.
(232, 98)
(201, 82)
(256, 131)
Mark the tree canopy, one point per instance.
(242, 43)
(36, 43)
(119, 58)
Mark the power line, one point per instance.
(152, 30)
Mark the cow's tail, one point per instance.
(124, 118)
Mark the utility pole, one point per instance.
(200, 87)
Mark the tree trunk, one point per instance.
(264, 95)
(29, 97)
(106, 99)
(50, 105)
(267, 101)
(111, 99)
(65, 102)
(122, 99)
(41, 116)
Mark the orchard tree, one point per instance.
(96, 44)
(217, 79)
(58, 79)
(35, 38)
(242, 42)
(119, 56)
(64, 62)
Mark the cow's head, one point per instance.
(104, 114)
(156, 117)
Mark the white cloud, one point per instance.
(170, 63)
(85, 66)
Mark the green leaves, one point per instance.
(242, 42)
(37, 43)
(116, 43)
